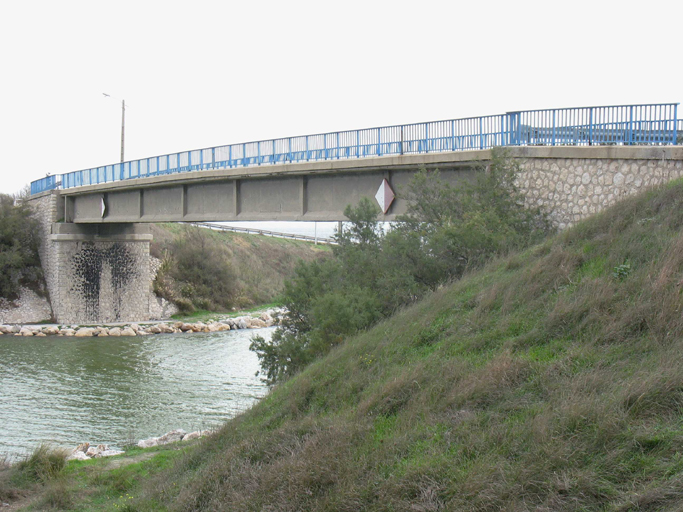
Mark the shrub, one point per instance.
(19, 260)
(196, 273)
(43, 464)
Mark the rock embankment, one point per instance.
(266, 319)
(29, 307)
(172, 437)
(85, 451)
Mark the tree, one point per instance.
(446, 231)
(19, 260)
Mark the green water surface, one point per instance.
(110, 390)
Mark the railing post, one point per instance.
(258, 153)
(426, 137)
(630, 126)
(514, 128)
(213, 158)
(230, 155)
(325, 145)
(481, 133)
(244, 154)
(307, 153)
(401, 143)
(590, 128)
(338, 147)
(554, 121)
(357, 143)
(675, 141)
(290, 149)
(379, 142)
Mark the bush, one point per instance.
(19, 260)
(44, 464)
(445, 232)
(196, 273)
(448, 230)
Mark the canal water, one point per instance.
(65, 390)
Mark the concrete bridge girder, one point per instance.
(304, 192)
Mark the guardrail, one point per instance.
(265, 232)
(654, 124)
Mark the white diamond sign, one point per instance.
(385, 196)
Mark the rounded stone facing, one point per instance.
(576, 188)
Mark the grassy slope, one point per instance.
(261, 263)
(92, 485)
(542, 382)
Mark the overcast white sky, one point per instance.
(198, 74)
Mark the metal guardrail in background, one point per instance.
(265, 232)
(656, 124)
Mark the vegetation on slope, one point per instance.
(446, 231)
(217, 270)
(550, 380)
(19, 260)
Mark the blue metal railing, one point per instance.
(623, 125)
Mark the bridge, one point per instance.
(572, 162)
(314, 177)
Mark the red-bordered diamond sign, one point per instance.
(385, 196)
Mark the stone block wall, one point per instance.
(47, 208)
(571, 189)
(101, 281)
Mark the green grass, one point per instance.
(93, 485)
(202, 315)
(541, 382)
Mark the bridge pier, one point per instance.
(94, 272)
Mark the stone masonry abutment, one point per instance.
(571, 185)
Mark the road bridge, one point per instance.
(572, 163)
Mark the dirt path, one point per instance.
(119, 462)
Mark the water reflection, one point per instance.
(107, 390)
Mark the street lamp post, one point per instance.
(123, 123)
